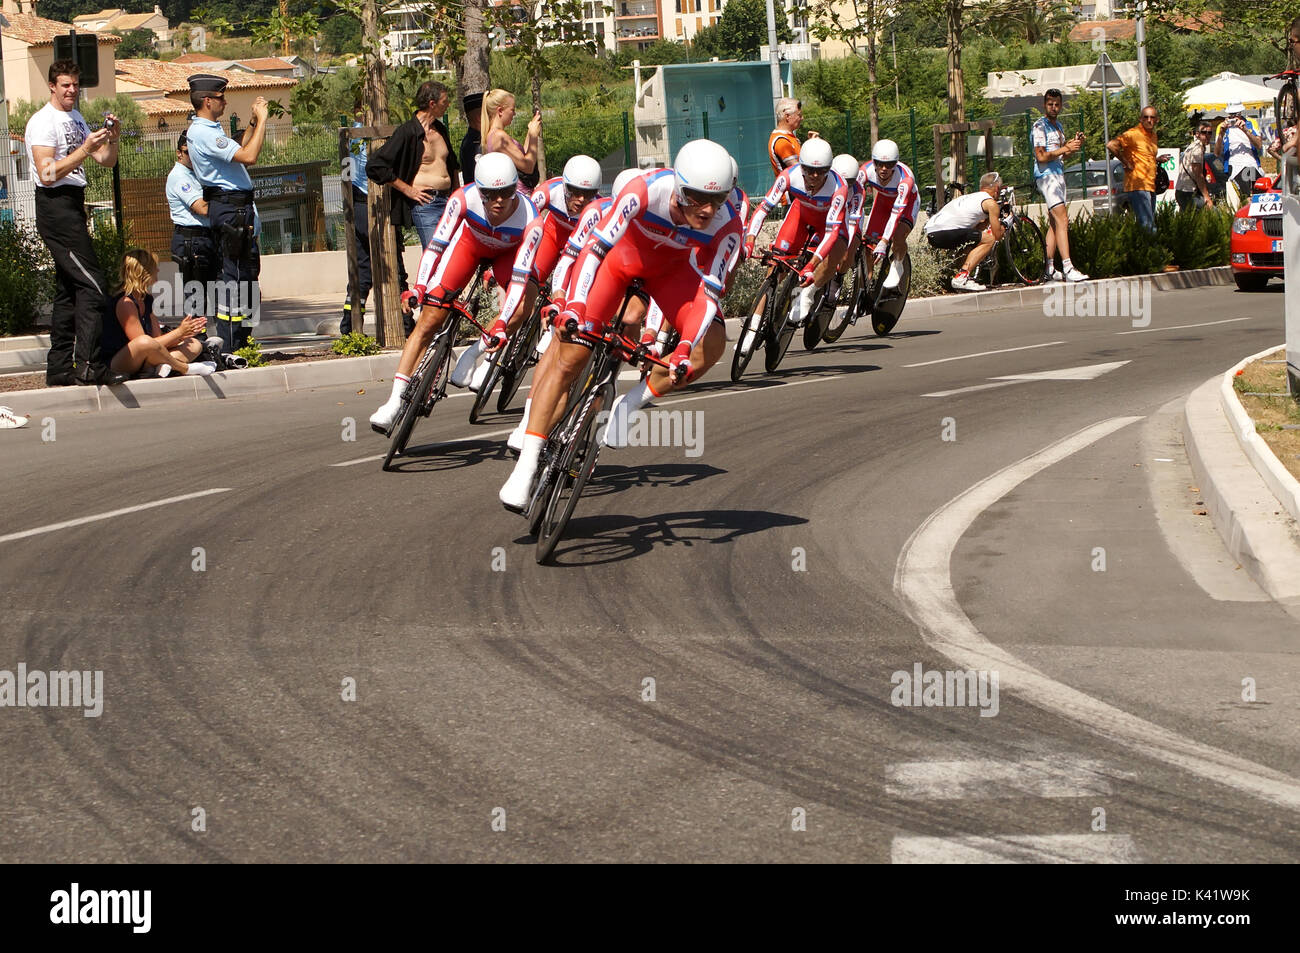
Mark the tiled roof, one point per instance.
(101, 15)
(174, 77)
(164, 107)
(195, 58)
(258, 64)
(132, 21)
(38, 31)
(1081, 32)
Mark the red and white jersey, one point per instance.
(549, 196)
(822, 210)
(901, 190)
(739, 201)
(853, 210)
(587, 222)
(642, 214)
(465, 215)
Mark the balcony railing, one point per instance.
(635, 10)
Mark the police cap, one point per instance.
(473, 101)
(207, 83)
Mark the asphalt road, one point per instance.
(754, 583)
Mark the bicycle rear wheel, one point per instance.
(889, 303)
(820, 319)
(418, 399)
(516, 362)
(576, 464)
(1025, 250)
(780, 330)
(1287, 107)
(741, 361)
(854, 299)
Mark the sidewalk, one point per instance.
(1252, 499)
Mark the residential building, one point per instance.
(406, 42)
(121, 22)
(28, 50)
(162, 90)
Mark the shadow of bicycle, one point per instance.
(611, 538)
(608, 480)
(438, 457)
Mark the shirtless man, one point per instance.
(435, 173)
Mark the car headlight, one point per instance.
(1240, 226)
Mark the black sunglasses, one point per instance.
(698, 199)
(493, 194)
(587, 194)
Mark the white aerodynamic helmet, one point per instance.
(846, 166)
(623, 178)
(703, 166)
(735, 171)
(816, 154)
(886, 150)
(495, 171)
(582, 172)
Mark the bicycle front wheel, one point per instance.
(435, 363)
(854, 298)
(1287, 106)
(741, 361)
(780, 329)
(1026, 250)
(516, 362)
(576, 464)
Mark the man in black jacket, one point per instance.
(473, 141)
(398, 163)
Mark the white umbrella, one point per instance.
(1215, 94)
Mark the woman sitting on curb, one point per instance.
(133, 341)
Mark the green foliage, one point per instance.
(308, 101)
(356, 344)
(658, 53)
(136, 44)
(110, 246)
(126, 109)
(252, 353)
(1195, 237)
(739, 32)
(21, 110)
(1110, 246)
(27, 278)
(341, 33)
(931, 270)
(569, 66)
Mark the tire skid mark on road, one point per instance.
(923, 583)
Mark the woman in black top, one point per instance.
(132, 339)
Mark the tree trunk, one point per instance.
(956, 90)
(383, 247)
(472, 69)
(284, 24)
(871, 70)
(537, 107)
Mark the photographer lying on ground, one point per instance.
(133, 340)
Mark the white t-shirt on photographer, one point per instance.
(64, 132)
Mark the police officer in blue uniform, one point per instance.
(222, 164)
(192, 246)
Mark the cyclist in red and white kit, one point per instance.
(649, 234)
(818, 200)
(587, 222)
(893, 218)
(559, 203)
(484, 221)
(847, 168)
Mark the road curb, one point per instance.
(1259, 531)
(1277, 477)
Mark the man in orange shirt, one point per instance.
(1136, 149)
(783, 145)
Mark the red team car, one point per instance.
(1255, 249)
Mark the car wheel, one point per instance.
(1249, 282)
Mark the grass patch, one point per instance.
(1272, 414)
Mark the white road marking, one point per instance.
(66, 524)
(427, 446)
(1084, 372)
(924, 586)
(985, 779)
(1006, 350)
(1021, 849)
(1180, 327)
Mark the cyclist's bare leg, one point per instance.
(429, 324)
(979, 252)
(899, 242)
(851, 254)
(551, 385)
(703, 356)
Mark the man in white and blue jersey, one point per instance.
(1050, 145)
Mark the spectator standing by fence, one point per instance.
(471, 145)
(1191, 187)
(498, 114)
(1238, 141)
(193, 250)
(1050, 147)
(1136, 150)
(222, 166)
(58, 144)
(360, 186)
(783, 145)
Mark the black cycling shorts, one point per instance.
(949, 238)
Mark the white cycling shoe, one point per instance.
(615, 433)
(479, 377)
(381, 421)
(514, 492)
(1074, 274)
(464, 369)
(895, 275)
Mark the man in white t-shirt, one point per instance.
(58, 144)
(968, 218)
(1050, 147)
(1239, 140)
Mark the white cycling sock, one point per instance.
(399, 383)
(1066, 265)
(532, 449)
